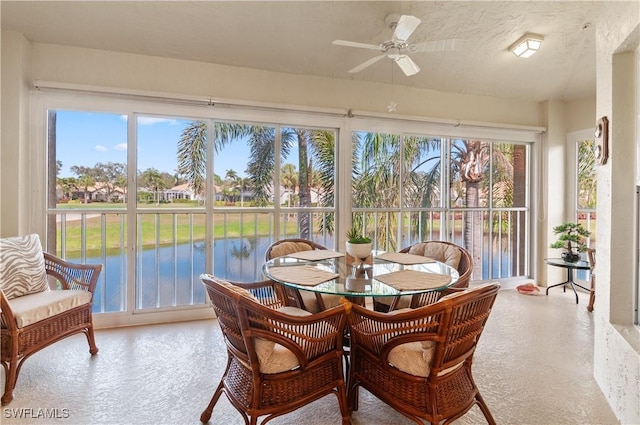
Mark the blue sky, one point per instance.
(87, 138)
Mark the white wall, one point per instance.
(15, 135)
(617, 340)
(580, 115)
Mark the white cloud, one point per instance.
(153, 120)
(121, 147)
(100, 148)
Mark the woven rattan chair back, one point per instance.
(306, 300)
(464, 267)
(314, 339)
(448, 331)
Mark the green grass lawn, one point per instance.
(161, 229)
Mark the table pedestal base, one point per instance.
(569, 282)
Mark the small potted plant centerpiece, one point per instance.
(358, 246)
(571, 238)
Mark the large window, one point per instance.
(400, 182)
(159, 193)
(584, 199)
(195, 206)
(586, 187)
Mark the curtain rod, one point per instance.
(209, 101)
(453, 122)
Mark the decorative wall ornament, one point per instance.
(601, 147)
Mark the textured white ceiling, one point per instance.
(296, 38)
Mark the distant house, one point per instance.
(185, 191)
(100, 192)
(182, 191)
(286, 193)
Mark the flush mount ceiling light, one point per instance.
(526, 45)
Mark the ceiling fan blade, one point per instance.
(356, 44)
(408, 66)
(407, 24)
(363, 65)
(433, 46)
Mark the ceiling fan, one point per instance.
(395, 48)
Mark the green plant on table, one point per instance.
(572, 238)
(355, 237)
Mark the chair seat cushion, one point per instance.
(311, 301)
(415, 358)
(29, 309)
(274, 358)
(22, 269)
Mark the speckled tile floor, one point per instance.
(533, 365)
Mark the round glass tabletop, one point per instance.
(380, 278)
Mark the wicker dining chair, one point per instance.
(446, 252)
(307, 300)
(33, 316)
(418, 361)
(278, 360)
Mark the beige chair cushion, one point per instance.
(448, 254)
(416, 357)
(331, 300)
(311, 301)
(274, 358)
(286, 248)
(33, 308)
(22, 270)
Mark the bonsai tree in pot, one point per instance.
(571, 238)
(358, 245)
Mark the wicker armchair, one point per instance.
(446, 252)
(307, 300)
(418, 361)
(278, 360)
(33, 320)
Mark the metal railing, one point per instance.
(173, 247)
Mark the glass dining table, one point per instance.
(385, 275)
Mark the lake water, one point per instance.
(170, 275)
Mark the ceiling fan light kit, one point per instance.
(527, 45)
(395, 48)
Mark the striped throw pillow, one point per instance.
(22, 269)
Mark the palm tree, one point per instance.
(243, 184)
(469, 159)
(67, 186)
(323, 150)
(289, 180)
(470, 162)
(231, 181)
(192, 148)
(85, 180)
(587, 184)
(377, 176)
(153, 180)
(261, 165)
